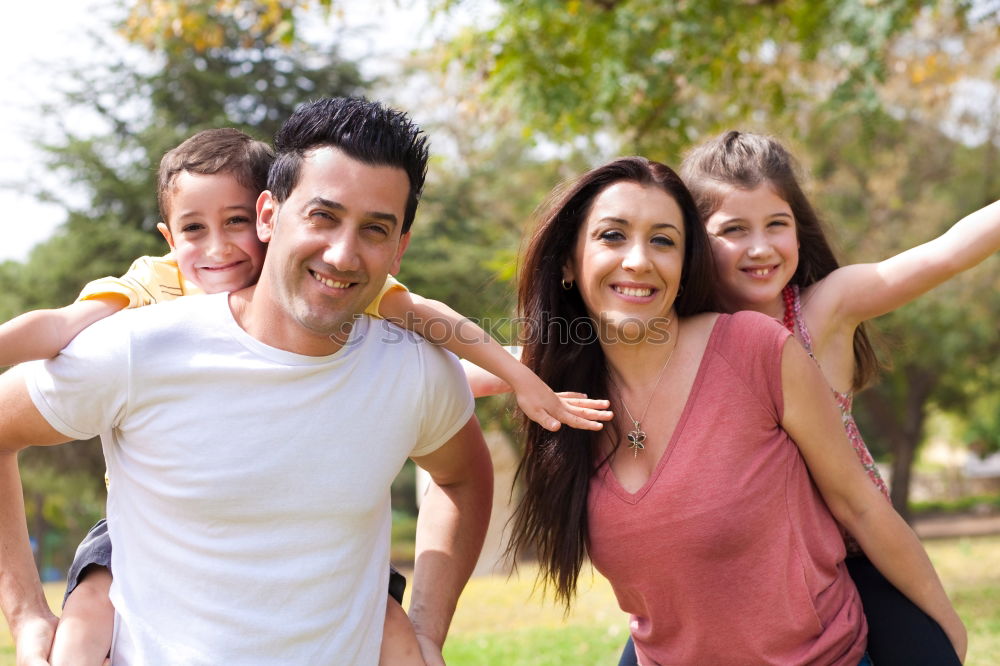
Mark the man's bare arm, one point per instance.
(454, 515)
(31, 622)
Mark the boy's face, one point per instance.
(211, 229)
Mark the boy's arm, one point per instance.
(439, 324)
(31, 622)
(451, 528)
(42, 334)
(481, 382)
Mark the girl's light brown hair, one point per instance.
(746, 161)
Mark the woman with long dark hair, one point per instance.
(711, 501)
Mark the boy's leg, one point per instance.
(83, 637)
(87, 623)
(399, 641)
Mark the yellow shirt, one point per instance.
(158, 279)
(149, 280)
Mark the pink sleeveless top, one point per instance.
(728, 554)
(845, 401)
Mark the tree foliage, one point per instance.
(887, 183)
(143, 106)
(137, 108)
(869, 93)
(660, 74)
(179, 26)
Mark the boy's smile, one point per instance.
(212, 231)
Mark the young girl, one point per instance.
(771, 256)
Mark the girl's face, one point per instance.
(755, 246)
(628, 260)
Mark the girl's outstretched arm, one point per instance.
(813, 421)
(42, 334)
(865, 291)
(440, 325)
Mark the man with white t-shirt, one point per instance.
(251, 438)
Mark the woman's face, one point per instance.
(755, 246)
(628, 259)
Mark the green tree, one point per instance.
(864, 89)
(147, 104)
(656, 75)
(887, 185)
(143, 103)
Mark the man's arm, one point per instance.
(31, 622)
(454, 515)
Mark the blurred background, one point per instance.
(892, 107)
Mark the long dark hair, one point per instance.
(746, 160)
(560, 344)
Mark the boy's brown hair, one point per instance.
(215, 151)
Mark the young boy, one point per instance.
(207, 191)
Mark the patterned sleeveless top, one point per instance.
(845, 401)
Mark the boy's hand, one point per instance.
(33, 640)
(551, 410)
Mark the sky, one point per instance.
(44, 34)
(50, 32)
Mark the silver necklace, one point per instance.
(637, 436)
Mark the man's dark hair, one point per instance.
(210, 152)
(366, 131)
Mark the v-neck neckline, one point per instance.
(612, 479)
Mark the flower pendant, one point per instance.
(636, 437)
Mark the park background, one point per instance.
(893, 108)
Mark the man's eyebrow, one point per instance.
(335, 205)
(624, 222)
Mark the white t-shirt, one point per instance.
(249, 500)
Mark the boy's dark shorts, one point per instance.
(397, 583)
(95, 550)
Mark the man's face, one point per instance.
(331, 245)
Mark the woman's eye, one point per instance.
(191, 228)
(612, 235)
(666, 241)
(239, 220)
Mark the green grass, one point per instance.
(961, 505)
(500, 621)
